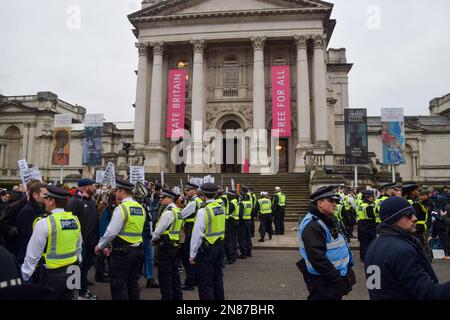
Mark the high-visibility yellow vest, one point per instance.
(265, 206)
(247, 209)
(281, 199)
(214, 222)
(361, 211)
(338, 213)
(235, 213)
(226, 205)
(173, 231)
(347, 204)
(63, 232)
(378, 203)
(133, 217)
(421, 222)
(358, 200)
(198, 205)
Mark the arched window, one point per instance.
(231, 77)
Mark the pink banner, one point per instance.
(281, 100)
(176, 103)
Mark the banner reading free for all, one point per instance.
(281, 100)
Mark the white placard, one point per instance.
(35, 173)
(63, 120)
(232, 185)
(24, 171)
(208, 179)
(93, 120)
(177, 190)
(162, 178)
(392, 115)
(137, 174)
(99, 176)
(110, 175)
(438, 253)
(197, 181)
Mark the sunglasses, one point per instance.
(411, 215)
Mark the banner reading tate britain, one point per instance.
(176, 103)
(281, 100)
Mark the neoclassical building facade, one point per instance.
(228, 49)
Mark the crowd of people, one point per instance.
(398, 226)
(128, 230)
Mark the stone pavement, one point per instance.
(288, 241)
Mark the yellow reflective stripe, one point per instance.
(55, 256)
(54, 234)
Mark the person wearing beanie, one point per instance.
(367, 224)
(404, 271)
(411, 192)
(327, 261)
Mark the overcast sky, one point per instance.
(400, 50)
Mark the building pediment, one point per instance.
(15, 107)
(188, 9)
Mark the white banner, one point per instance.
(392, 115)
(99, 176)
(110, 175)
(63, 120)
(137, 174)
(93, 120)
(197, 181)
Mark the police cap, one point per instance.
(390, 186)
(410, 186)
(190, 186)
(56, 193)
(124, 184)
(367, 193)
(168, 193)
(325, 193)
(209, 188)
(232, 192)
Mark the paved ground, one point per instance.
(268, 275)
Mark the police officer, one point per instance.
(387, 191)
(207, 246)
(189, 214)
(244, 232)
(250, 196)
(411, 192)
(167, 236)
(367, 226)
(124, 234)
(406, 273)
(279, 205)
(231, 230)
(57, 240)
(264, 209)
(327, 259)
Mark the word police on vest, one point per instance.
(69, 224)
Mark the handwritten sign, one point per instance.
(137, 174)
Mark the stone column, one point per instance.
(320, 93)
(25, 137)
(303, 105)
(195, 162)
(2, 156)
(140, 113)
(259, 103)
(155, 153)
(30, 154)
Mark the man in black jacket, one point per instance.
(327, 260)
(4, 201)
(83, 206)
(29, 213)
(396, 265)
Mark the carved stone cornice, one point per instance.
(199, 45)
(301, 42)
(143, 48)
(319, 41)
(258, 42)
(158, 47)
